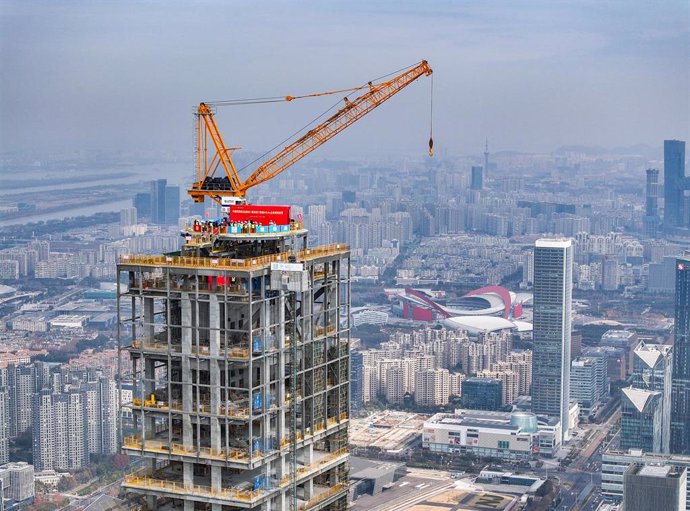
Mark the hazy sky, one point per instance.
(529, 75)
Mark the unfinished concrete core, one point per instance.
(239, 366)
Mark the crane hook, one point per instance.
(431, 147)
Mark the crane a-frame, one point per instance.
(212, 153)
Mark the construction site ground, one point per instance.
(433, 490)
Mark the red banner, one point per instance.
(263, 215)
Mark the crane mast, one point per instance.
(232, 189)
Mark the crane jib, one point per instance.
(212, 153)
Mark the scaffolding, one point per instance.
(239, 382)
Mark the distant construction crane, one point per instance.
(212, 153)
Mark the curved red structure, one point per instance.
(500, 291)
(428, 301)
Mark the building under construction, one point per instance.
(240, 342)
(240, 370)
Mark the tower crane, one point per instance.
(212, 153)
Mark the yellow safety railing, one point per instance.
(134, 442)
(337, 488)
(315, 467)
(231, 264)
(149, 483)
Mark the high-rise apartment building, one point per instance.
(651, 218)
(609, 274)
(553, 284)
(245, 381)
(652, 371)
(356, 379)
(73, 419)
(680, 390)
(432, 387)
(4, 422)
(674, 176)
(21, 386)
(128, 216)
(395, 384)
(585, 385)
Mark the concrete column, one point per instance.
(186, 322)
(151, 502)
(308, 454)
(216, 477)
(149, 424)
(215, 326)
(308, 489)
(187, 391)
(187, 473)
(148, 330)
(214, 369)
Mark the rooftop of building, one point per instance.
(645, 457)
(638, 397)
(659, 471)
(480, 418)
(553, 243)
(363, 468)
(483, 324)
(388, 430)
(218, 263)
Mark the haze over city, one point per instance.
(529, 75)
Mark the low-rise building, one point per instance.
(615, 463)
(509, 435)
(17, 482)
(482, 393)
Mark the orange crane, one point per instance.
(212, 153)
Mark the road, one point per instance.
(581, 481)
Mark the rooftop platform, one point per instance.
(213, 263)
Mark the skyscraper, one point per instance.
(651, 219)
(641, 419)
(142, 203)
(172, 205)
(477, 179)
(158, 201)
(553, 286)
(652, 367)
(241, 396)
(680, 391)
(674, 175)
